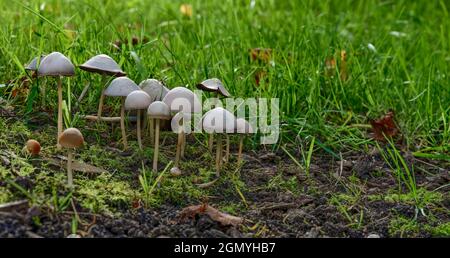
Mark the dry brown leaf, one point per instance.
(263, 55)
(384, 126)
(223, 218)
(343, 66)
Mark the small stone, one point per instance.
(73, 236)
(373, 236)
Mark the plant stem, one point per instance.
(60, 125)
(138, 126)
(183, 144)
(179, 143)
(122, 124)
(156, 151)
(218, 154)
(102, 97)
(69, 169)
(227, 153)
(241, 146)
(210, 142)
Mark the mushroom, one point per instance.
(33, 147)
(57, 65)
(121, 87)
(220, 121)
(181, 99)
(104, 65)
(138, 100)
(214, 85)
(242, 128)
(157, 91)
(158, 110)
(71, 138)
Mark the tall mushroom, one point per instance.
(121, 87)
(71, 138)
(242, 128)
(57, 65)
(214, 85)
(138, 100)
(105, 66)
(219, 121)
(158, 110)
(184, 101)
(157, 91)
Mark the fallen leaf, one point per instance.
(186, 10)
(223, 218)
(384, 126)
(330, 66)
(343, 66)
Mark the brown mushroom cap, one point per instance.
(56, 64)
(102, 64)
(214, 85)
(71, 138)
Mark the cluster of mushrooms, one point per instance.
(150, 97)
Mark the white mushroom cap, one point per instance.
(158, 110)
(213, 85)
(102, 64)
(56, 64)
(154, 88)
(32, 65)
(182, 99)
(219, 120)
(121, 87)
(137, 99)
(71, 138)
(242, 126)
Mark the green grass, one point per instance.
(408, 74)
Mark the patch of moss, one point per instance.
(403, 227)
(289, 184)
(442, 230)
(422, 198)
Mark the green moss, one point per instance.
(422, 198)
(442, 230)
(279, 182)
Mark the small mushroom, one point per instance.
(71, 138)
(214, 85)
(181, 99)
(157, 91)
(243, 128)
(138, 100)
(57, 65)
(121, 87)
(158, 110)
(106, 66)
(219, 121)
(33, 147)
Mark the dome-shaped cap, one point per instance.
(71, 138)
(137, 99)
(219, 120)
(32, 65)
(182, 99)
(102, 64)
(121, 87)
(242, 126)
(56, 64)
(213, 85)
(158, 110)
(154, 88)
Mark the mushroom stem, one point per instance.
(227, 153)
(183, 145)
(122, 124)
(218, 154)
(60, 125)
(179, 143)
(241, 146)
(210, 142)
(138, 126)
(69, 169)
(156, 151)
(102, 97)
(152, 129)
